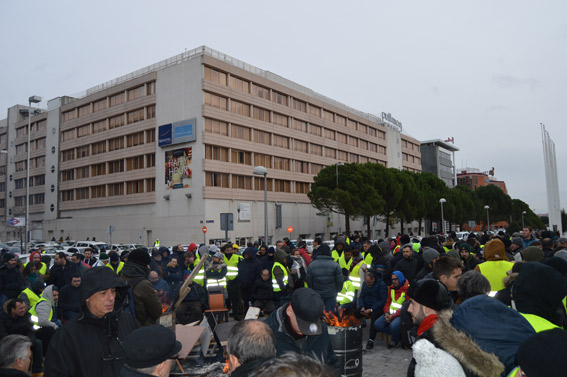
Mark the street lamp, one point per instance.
(442, 200)
(260, 170)
(487, 207)
(523, 213)
(338, 213)
(32, 99)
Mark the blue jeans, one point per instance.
(330, 303)
(392, 328)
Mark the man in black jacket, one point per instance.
(11, 279)
(70, 298)
(325, 277)
(263, 293)
(249, 269)
(250, 343)
(60, 274)
(91, 344)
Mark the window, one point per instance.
(135, 116)
(2, 186)
(381, 149)
(330, 152)
(216, 127)
(38, 162)
(299, 125)
(67, 195)
(262, 160)
(82, 172)
(363, 128)
(82, 193)
(83, 130)
(314, 110)
(353, 158)
(362, 159)
(135, 187)
(341, 120)
(216, 179)
(260, 91)
(372, 131)
(116, 143)
(135, 93)
(280, 119)
(21, 149)
(150, 88)
(281, 141)
(326, 115)
(353, 141)
(65, 156)
(341, 138)
(99, 126)
(150, 185)
(316, 149)
(262, 137)
(301, 187)
(115, 189)
(239, 132)
(240, 108)
(150, 160)
(381, 135)
(40, 126)
(262, 114)
(281, 185)
(117, 99)
(259, 184)
(241, 157)
(241, 182)
(20, 183)
(98, 191)
(216, 101)
(69, 115)
(216, 153)
(39, 144)
(116, 166)
(215, 76)
(21, 131)
(134, 163)
(67, 175)
(117, 121)
(100, 105)
(239, 84)
(300, 146)
(83, 151)
(84, 110)
(151, 110)
(301, 167)
(20, 200)
(372, 147)
(98, 169)
(21, 166)
(133, 140)
(343, 156)
(363, 144)
(151, 136)
(279, 98)
(315, 130)
(329, 134)
(281, 163)
(316, 168)
(299, 105)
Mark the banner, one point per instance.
(178, 173)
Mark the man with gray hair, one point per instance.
(561, 244)
(250, 343)
(15, 356)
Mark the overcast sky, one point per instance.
(484, 72)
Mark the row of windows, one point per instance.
(409, 145)
(111, 101)
(116, 121)
(38, 144)
(409, 158)
(38, 180)
(110, 167)
(20, 201)
(22, 131)
(37, 162)
(235, 181)
(241, 85)
(138, 186)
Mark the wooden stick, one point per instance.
(179, 365)
(184, 290)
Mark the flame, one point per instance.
(226, 367)
(165, 302)
(344, 318)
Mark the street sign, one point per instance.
(110, 229)
(204, 229)
(17, 221)
(290, 229)
(227, 221)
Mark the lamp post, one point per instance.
(523, 213)
(260, 170)
(338, 213)
(442, 200)
(487, 207)
(32, 99)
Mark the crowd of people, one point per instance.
(484, 306)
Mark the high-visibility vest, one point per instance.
(354, 276)
(275, 284)
(346, 295)
(157, 243)
(514, 372)
(212, 283)
(32, 297)
(34, 317)
(396, 305)
(335, 255)
(495, 272)
(396, 249)
(42, 270)
(343, 263)
(446, 249)
(232, 266)
(120, 266)
(538, 323)
(368, 258)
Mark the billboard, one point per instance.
(176, 132)
(178, 173)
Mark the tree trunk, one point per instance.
(387, 225)
(419, 227)
(401, 225)
(347, 224)
(368, 227)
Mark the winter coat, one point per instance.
(9, 372)
(88, 346)
(11, 281)
(373, 297)
(263, 290)
(305, 255)
(409, 267)
(60, 276)
(156, 266)
(268, 262)
(316, 346)
(44, 308)
(324, 276)
(163, 290)
(69, 299)
(398, 292)
(249, 269)
(18, 325)
(146, 302)
(173, 276)
(280, 256)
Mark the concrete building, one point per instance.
(474, 179)
(161, 152)
(438, 157)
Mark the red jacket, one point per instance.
(397, 293)
(305, 255)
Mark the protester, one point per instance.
(543, 354)
(70, 298)
(282, 281)
(496, 266)
(250, 344)
(429, 256)
(15, 356)
(371, 301)
(61, 272)
(263, 293)
(471, 283)
(249, 269)
(325, 277)
(407, 265)
(389, 322)
(163, 290)
(11, 279)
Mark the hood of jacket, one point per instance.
(494, 250)
(280, 257)
(98, 279)
(251, 252)
(48, 294)
(133, 270)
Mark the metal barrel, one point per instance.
(347, 343)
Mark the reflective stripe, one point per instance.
(396, 305)
(275, 284)
(34, 319)
(492, 293)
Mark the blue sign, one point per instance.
(164, 135)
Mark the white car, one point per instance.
(95, 246)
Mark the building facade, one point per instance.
(160, 153)
(474, 179)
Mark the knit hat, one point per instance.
(8, 257)
(494, 250)
(140, 257)
(517, 241)
(429, 254)
(138, 355)
(204, 251)
(558, 263)
(532, 254)
(430, 293)
(271, 250)
(219, 255)
(543, 354)
(103, 256)
(433, 361)
(401, 277)
(191, 247)
(454, 254)
(465, 246)
(114, 257)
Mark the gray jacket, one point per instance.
(324, 276)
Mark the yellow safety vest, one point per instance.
(34, 317)
(120, 266)
(495, 272)
(32, 297)
(396, 305)
(368, 258)
(232, 266)
(538, 323)
(275, 284)
(335, 255)
(343, 263)
(514, 372)
(346, 295)
(156, 244)
(354, 276)
(212, 283)
(42, 270)
(446, 249)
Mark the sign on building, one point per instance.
(178, 173)
(177, 132)
(243, 211)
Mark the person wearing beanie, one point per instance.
(390, 322)
(467, 255)
(91, 344)
(496, 266)
(516, 246)
(429, 257)
(232, 260)
(532, 254)
(32, 295)
(115, 264)
(542, 355)
(371, 301)
(104, 258)
(325, 277)
(216, 273)
(268, 259)
(249, 269)
(147, 306)
(36, 258)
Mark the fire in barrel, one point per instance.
(345, 331)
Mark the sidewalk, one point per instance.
(381, 361)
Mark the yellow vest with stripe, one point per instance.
(538, 323)
(368, 259)
(335, 255)
(212, 283)
(33, 313)
(275, 284)
(343, 263)
(120, 266)
(32, 297)
(396, 305)
(514, 372)
(232, 266)
(495, 272)
(42, 270)
(346, 295)
(354, 276)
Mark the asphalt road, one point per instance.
(381, 361)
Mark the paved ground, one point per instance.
(384, 362)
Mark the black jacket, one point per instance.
(324, 276)
(249, 269)
(11, 281)
(246, 369)
(69, 299)
(16, 326)
(9, 372)
(62, 275)
(263, 290)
